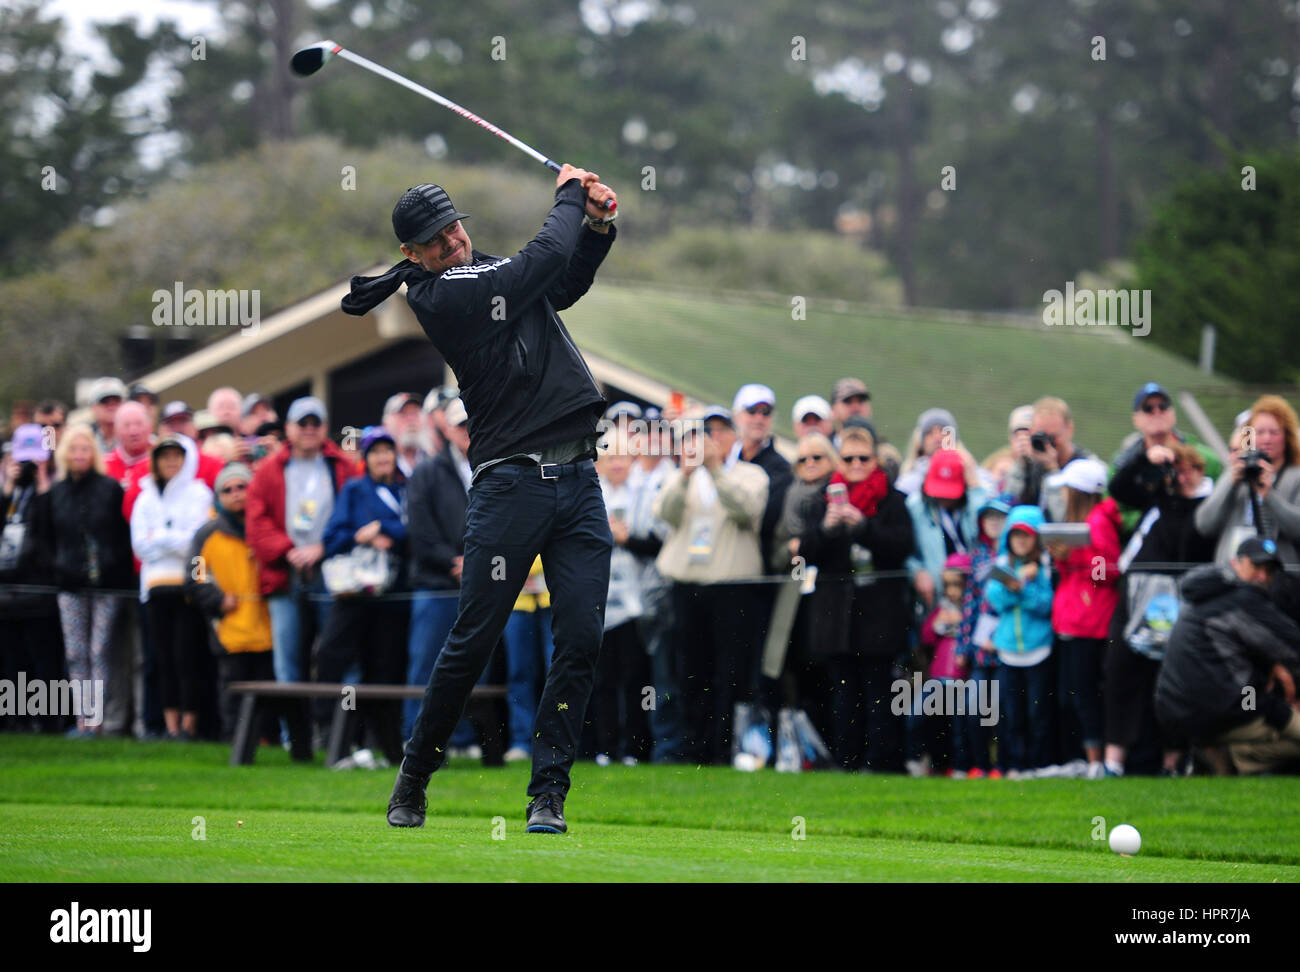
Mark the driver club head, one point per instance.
(309, 60)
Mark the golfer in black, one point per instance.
(533, 409)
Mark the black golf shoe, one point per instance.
(407, 804)
(546, 814)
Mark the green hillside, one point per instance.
(978, 368)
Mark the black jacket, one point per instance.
(19, 509)
(77, 515)
(435, 510)
(779, 478)
(843, 616)
(1173, 539)
(1227, 638)
(523, 381)
(1138, 483)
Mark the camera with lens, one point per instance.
(1168, 473)
(1251, 467)
(1040, 441)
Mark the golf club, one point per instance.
(309, 60)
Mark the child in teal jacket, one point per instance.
(1023, 639)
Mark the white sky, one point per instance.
(79, 17)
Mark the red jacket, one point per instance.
(117, 468)
(1083, 605)
(264, 512)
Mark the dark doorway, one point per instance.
(358, 390)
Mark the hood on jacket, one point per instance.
(1206, 582)
(189, 468)
(1030, 516)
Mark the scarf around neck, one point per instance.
(866, 495)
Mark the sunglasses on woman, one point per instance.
(802, 459)
(857, 458)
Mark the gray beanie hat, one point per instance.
(936, 416)
(232, 470)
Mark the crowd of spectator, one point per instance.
(1059, 616)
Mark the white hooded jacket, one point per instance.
(163, 525)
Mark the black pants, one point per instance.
(514, 515)
(865, 733)
(1079, 690)
(259, 666)
(619, 717)
(373, 632)
(713, 640)
(1129, 709)
(180, 641)
(34, 646)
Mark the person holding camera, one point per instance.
(1034, 480)
(33, 641)
(1260, 493)
(713, 506)
(1165, 534)
(857, 526)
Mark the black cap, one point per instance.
(167, 442)
(422, 213)
(1259, 552)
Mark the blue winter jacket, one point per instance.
(931, 549)
(1025, 616)
(356, 505)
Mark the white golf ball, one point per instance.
(746, 762)
(1125, 839)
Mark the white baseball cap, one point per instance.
(1085, 475)
(106, 387)
(751, 395)
(813, 404)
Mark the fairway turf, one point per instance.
(113, 810)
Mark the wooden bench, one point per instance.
(483, 710)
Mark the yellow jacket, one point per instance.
(222, 563)
(534, 595)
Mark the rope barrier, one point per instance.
(1170, 567)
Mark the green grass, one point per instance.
(114, 810)
(978, 368)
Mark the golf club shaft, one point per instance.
(419, 89)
